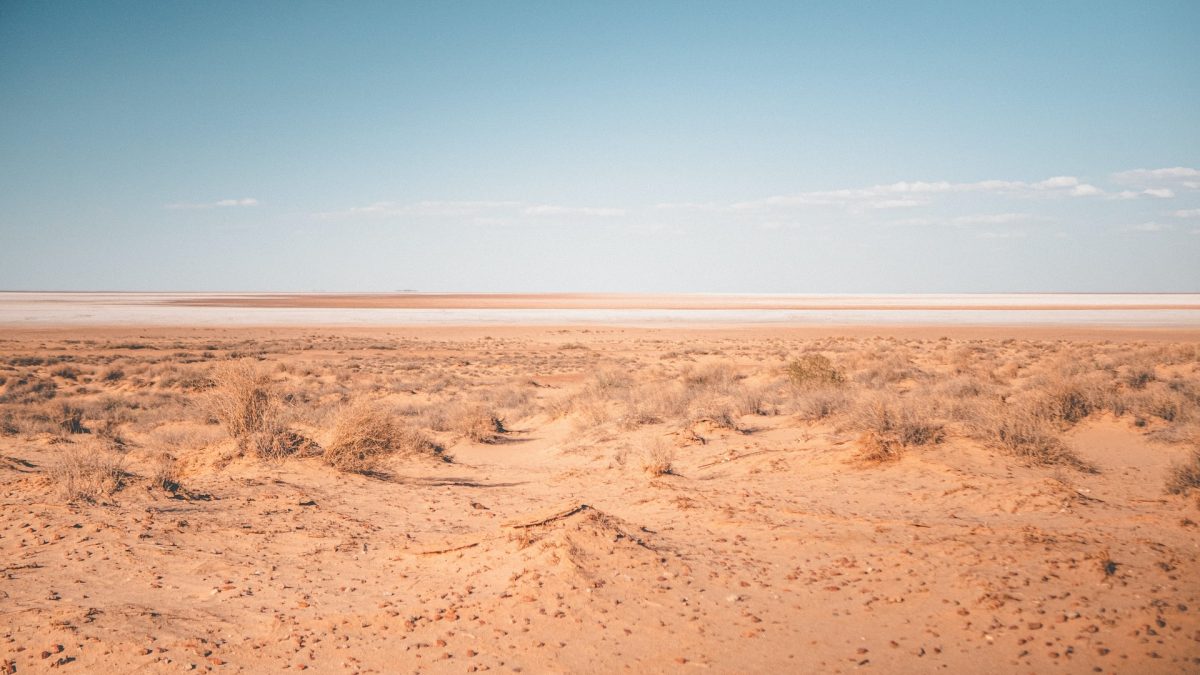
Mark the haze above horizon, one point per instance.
(614, 147)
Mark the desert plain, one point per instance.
(599, 498)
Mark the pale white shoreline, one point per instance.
(34, 309)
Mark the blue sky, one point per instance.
(684, 146)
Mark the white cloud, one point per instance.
(1142, 176)
(994, 218)
(1186, 213)
(915, 222)
(1159, 193)
(436, 208)
(427, 208)
(482, 212)
(1147, 227)
(1153, 193)
(897, 203)
(689, 206)
(906, 193)
(935, 203)
(220, 203)
(1001, 235)
(1057, 182)
(588, 211)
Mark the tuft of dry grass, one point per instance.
(479, 424)
(165, 473)
(715, 412)
(1025, 429)
(28, 389)
(814, 370)
(1184, 478)
(1137, 376)
(244, 400)
(819, 403)
(473, 421)
(717, 376)
(1071, 399)
(87, 473)
(876, 448)
(364, 434)
(889, 427)
(9, 423)
(657, 459)
(248, 404)
(757, 400)
(69, 419)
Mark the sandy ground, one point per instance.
(769, 547)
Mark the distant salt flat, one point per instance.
(397, 309)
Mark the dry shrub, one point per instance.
(244, 399)
(364, 434)
(110, 431)
(1170, 404)
(558, 407)
(56, 419)
(473, 421)
(897, 424)
(592, 411)
(165, 473)
(607, 379)
(877, 448)
(248, 404)
(1138, 375)
(9, 423)
(958, 398)
(514, 399)
(1006, 371)
(963, 386)
(891, 368)
(87, 473)
(716, 412)
(817, 404)
(69, 419)
(1073, 398)
(478, 424)
(28, 389)
(639, 410)
(813, 371)
(757, 400)
(182, 439)
(657, 459)
(1184, 478)
(66, 372)
(716, 376)
(278, 443)
(1025, 430)
(660, 401)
